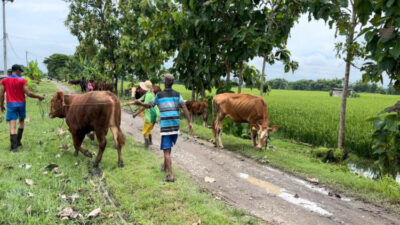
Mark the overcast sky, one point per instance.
(37, 26)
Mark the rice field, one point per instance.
(313, 116)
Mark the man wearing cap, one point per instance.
(168, 101)
(15, 88)
(151, 114)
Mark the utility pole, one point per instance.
(5, 36)
(26, 57)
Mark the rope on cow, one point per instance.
(42, 113)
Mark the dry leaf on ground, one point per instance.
(29, 182)
(209, 179)
(94, 213)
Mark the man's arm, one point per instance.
(30, 94)
(138, 112)
(2, 91)
(187, 115)
(145, 105)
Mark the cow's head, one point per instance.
(57, 106)
(263, 134)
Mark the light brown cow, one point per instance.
(198, 108)
(242, 108)
(95, 111)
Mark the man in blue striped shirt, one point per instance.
(169, 102)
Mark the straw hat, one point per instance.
(147, 85)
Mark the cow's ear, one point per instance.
(60, 95)
(273, 128)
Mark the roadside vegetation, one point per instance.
(32, 191)
(300, 160)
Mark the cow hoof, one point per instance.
(76, 153)
(88, 154)
(120, 164)
(96, 164)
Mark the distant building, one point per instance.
(338, 92)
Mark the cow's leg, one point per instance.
(205, 118)
(78, 137)
(115, 131)
(77, 143)
(101, 137)
(220, 118)
(253, 131)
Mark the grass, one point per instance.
(297, 159)
(137, 189)
(313, 116)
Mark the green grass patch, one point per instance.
(137, 189)
(300, 160)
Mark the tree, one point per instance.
(33, 72)
(383, 40)
(278, 83)
(96, 25)
(280, 16)
(145, 36)
(344, 16)
(55, 63)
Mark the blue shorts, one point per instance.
(13, 113)
(167, 141)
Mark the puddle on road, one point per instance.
(282, 193)
(368, 172)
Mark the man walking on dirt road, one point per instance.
(168, 101)
(15, 88)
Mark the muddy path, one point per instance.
(267, 193)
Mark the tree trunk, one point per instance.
(193, 93)
(116, 84)
(262, 78)
(122, 87)
(203, 92)
(228, 72)
(240, 78)
(349, 58)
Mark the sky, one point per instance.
(37, 27)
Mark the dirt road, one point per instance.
(267, 193)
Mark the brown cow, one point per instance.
(94, 111)
(242, 108)
(102, 86)
(198, 108)
(74, 82)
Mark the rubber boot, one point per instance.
(150, 140)
(14, 142)
(20, 132)
(146, 143)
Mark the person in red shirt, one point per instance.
(15, 88)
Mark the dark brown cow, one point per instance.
(74, 82)
(102, 86)
(94, 111)
(242, 108)
(198, 108)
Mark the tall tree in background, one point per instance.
(342, 14)
(54, 63)
(279, 17)
(145, 36)
(95, 23)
